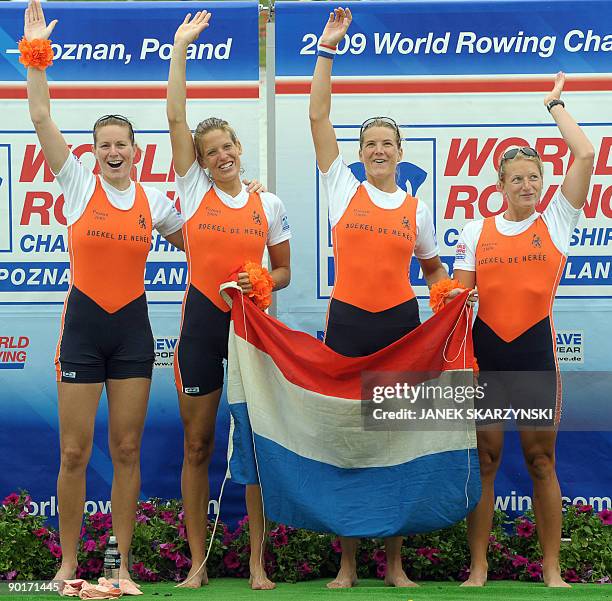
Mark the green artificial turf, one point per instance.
(232, 589)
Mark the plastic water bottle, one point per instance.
(112, 562)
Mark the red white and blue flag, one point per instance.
(298, 429)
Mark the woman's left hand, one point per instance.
(244, 282)
(472, 298)
(555, 93)
(254, 186)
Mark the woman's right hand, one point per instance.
(336, 26)
(190, 29)
(35, 27)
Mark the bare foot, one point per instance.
(346, 578)
(552, 578)
(478, 576)
(259, 580)
(398, 578)
(195, 578)
(124, 574)
(66, 572)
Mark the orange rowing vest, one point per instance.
(373, 248)
(220, 239)
(517, 277)
(109, 248)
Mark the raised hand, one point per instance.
(336, 26)
(190, 29)
(35, 26)
(555, 93)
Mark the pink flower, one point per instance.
(534, 569)
(11, 575)
(12, 499)
(182, 531)
(336, 545)
(571, 576)
(182, 561)
(231, 560)
(40, 532)
(280, 540)
(519, 560)
(168, 550)
(94, 565)
(89, 545)
(102, 541)
(144, 573)
(243, 523)
(168, 517)
(584, 508)
(381, 569)
(429, 553)
(525, 528)
(55, 549)
(605, 515)
(280, 529)
(379, 556)
(147, 508)
(304, 568)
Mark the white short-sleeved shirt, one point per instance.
(340, 185)
(195, 184)
(78, 185)
(559, 216)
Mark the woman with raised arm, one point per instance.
(225, 227)
(516, 260)
(106, 337)
(376, 228)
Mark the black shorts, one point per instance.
(95, 346)
(354, 332)
(520, 375)
(202, 347)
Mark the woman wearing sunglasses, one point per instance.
(106, 337)
(376, 228)
(516, 260)
(225, 226)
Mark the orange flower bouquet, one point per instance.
(262, 284)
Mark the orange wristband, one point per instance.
(36, 53)
(439, 291)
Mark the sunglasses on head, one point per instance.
(512, 152)
(372, 120)
(108, 117)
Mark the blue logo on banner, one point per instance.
(406, 172)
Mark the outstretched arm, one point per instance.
(323, 135)
(183, 150)
(53, 145)
(578, 177)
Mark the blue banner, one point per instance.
(132, 42)
(450, 38)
